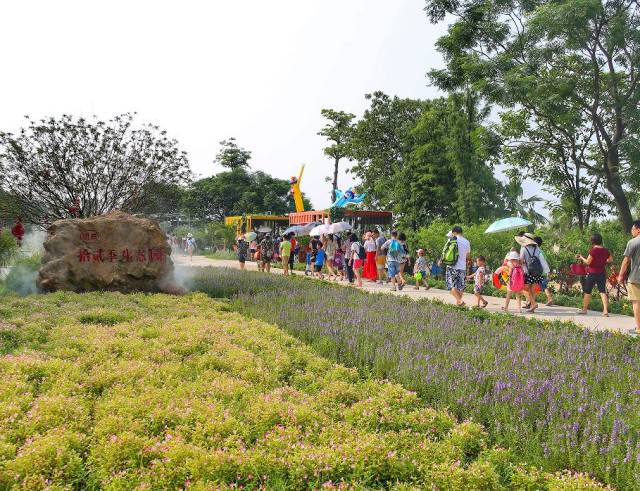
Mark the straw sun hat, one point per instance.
(526, 239)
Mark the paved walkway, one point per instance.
(593, 321)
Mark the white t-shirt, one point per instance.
(355, 248)
(464, 248)
(370, 245)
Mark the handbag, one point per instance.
(578, 269)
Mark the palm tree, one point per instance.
(517, 204)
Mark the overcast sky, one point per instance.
(257, 70)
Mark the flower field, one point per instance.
(556, 395)
(107, 391)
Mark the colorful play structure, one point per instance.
(359, 219)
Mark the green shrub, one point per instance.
(183, 394)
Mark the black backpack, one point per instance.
(362, 253)
(534, 266)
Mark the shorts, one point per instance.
(455, 278)
(357, 263)
(266, 260)
(633, 290)
(593, 279)
(393, 268)
(544, 283)
(317, 268)
(477, 289)
(242, 258)
(380, 262)
(252, 251)
(532, 279)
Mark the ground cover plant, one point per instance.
(557, 395)
(107, 391)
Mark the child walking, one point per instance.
(308, 270)
(479, 279)
(515, 284)
(321, 256)
(421, 271)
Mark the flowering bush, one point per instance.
(152, 391)
(558, 396)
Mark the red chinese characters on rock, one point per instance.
(100, 256)
(88, 236)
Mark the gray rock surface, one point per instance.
(114, 252)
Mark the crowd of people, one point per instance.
(373, 257)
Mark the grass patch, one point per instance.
(558, 395)
(183, 394)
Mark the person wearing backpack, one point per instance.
(516, 284)
(534, 266)
(454, 257)
(395, 255)
(358, 255)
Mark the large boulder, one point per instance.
(116, 252)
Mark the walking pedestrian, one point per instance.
(479, 279)
(406, 257)
(596, 261)
(381, 255)
(285, 252)
(370, 270)
(631, 265)
(516, 281)
(266, 252)
(294, 250)
(544, 285)
(395, 254)
(454, 256)
(421, 270)
(321, 257)
(243, 249)
(358, 255)
(534, 266)
(348, 257)
(330, 246)
(190, 246)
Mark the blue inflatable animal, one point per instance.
(347, 198)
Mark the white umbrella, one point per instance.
(338, 227)
(250, 236)
(264, 230)
(320, 230)
(297, 229)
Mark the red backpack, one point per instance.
(516, 281)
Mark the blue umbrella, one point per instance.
(511, 223)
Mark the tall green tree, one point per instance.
(427, 159)
(338, 131)
(558, 154)
(103, 165)
(238, 192)
(232, 156)
(382, 143)
(551, 56)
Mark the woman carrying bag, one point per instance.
(596, 261)
(534, 266)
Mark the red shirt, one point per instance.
(599, 256)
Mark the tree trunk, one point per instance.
(614, 186)
(335, 179)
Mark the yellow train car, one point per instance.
(249, 223)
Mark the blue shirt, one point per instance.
(320, 256)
